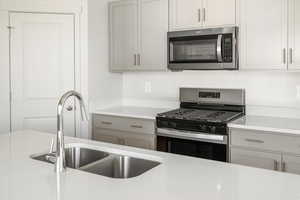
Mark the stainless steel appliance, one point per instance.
(206, 49)
(199, 127)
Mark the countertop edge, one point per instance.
(265, 129)
(115, 114)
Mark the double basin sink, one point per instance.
(102, 163)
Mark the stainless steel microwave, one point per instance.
(206, 49)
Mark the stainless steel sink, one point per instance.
(76, 157)
(102, 163)
(118, 166)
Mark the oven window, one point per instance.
(198, 149)
(195, 49)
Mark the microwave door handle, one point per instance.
(219, 48)
(171, 52)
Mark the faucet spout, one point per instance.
(60, 164)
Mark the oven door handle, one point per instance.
(219, 48)
(196, 136)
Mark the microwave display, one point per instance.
(227, 48)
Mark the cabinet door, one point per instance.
(42, 69)
(218, 13)
(139, 140)
(4, 74)
(294, 34)
(123, 17)
(106, 136)
(153, 34)
(291, 164)
(264, 34)
(185, 14)
(255, 158)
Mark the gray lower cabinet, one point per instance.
(255, 158)
(291, 163)
(267, 150)
(124, 131)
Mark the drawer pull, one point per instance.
(283, 167)
(255, 141)
(106, 123)
(275, 165)
(136, 126)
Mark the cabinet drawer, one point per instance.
(139, 140)
(124, 124)
(265, 140)
(104, 135)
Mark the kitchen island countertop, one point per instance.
(177, 178)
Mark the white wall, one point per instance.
(268, 93)
(105, 89)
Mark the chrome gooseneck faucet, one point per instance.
(60, 164)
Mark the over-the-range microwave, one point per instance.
(206, 49)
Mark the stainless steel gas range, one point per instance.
(199, 127)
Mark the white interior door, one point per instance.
(153, 36)
(185, 14)
(4, 74)
(264, 34)
(123, 34)
(218, 12)
(42, 69)
(294, 34)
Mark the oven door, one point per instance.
(196, 147)
(195, 49)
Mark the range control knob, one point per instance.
(212, 129)
(173, 125)
(203, 128)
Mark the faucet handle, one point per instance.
(51, 146)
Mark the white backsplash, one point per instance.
(269, 93)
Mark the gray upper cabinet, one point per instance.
(138, 35)
(4, 75)
(123, 17)
(198, 14)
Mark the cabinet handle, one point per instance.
(199, 15)
(106, 123)
(275, 165)
(283, 166)
(136, 126)
(134, 59)
(204, 14)
(121, 141)
(255, 141)
(139, 59)
(284, 56)
(291, 56)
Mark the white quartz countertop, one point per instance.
(271, 124)
(177, 178)
(133, 112)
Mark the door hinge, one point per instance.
(10, 27)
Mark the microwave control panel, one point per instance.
(227, 48)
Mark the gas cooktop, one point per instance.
(216, 116)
